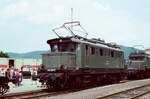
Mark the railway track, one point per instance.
(31, 94)
(42, 94)
(134, 93)
(21, 95)
(38, 94)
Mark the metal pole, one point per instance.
(71, 18)
(71, 14)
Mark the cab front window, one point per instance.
(63, 47)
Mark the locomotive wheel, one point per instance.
(78, 82)
(114, 79)
(59, 83)
(3, 89)
(48, 84)
(74, 82)
(99, 80)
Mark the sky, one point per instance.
(26, 25)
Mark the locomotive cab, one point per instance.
(62, 52)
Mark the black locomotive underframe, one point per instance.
(83, 77)
(136, 74)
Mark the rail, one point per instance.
(134, 93)
(39, 94)
(21, 94)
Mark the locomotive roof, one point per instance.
(85, 41)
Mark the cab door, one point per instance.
(11, 63)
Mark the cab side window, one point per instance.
(101, 52)
(92, 50)
(112, 53)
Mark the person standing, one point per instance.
(2, 72)
(20, 77)
(12, 73)
(7, 73)
(34, 76)
(17, 76)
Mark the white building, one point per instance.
(147, 51)
(4, 63)
(18, 63)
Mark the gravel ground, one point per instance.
(102, 91)
(26, 85)
(145, 96)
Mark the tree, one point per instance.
(4, 54)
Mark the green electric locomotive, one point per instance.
(75, 61)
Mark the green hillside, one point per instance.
(37, 54)
(33, 54)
